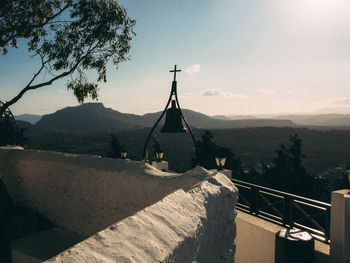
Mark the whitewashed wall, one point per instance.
(138, 211)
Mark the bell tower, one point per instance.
(174, 116)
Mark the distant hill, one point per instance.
(31, 118)
(331, 119)
(314, 120)
(247, 117)
(93, 117)
(221, 117)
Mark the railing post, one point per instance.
(327, 229)
(287, 211)
(254, 208)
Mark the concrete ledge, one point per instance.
(255, 241)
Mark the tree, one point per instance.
(207, 150)
(70, 37)
(233, 163)
(156, 147)
(115, 147)
(287, 172)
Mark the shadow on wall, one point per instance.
(16, 222)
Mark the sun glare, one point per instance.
(319, 15)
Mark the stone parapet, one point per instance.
(193, 226)
(127, 210)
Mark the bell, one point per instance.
(173, 121)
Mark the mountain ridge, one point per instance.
(95, 117)
(31, 118)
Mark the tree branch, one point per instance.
(46, 83)
(39, 71)
(14, 28)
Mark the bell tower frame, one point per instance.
(173, 93)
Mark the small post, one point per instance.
(146, 156)
(340, 227)
(287, 212)
(254, 208)
(162, 165)
(328, 224)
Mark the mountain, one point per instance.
(202, 121)
(94, 117)
(89, 117)
(31, 118)
(221, 117)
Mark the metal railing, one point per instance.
(285, 209)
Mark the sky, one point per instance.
(236, 56)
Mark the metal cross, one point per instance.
(175, 70)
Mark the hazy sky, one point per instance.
(236, 56)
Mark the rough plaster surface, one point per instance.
(193, 226)
(140, 213)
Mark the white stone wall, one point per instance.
(193, 226)
(140, 213)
